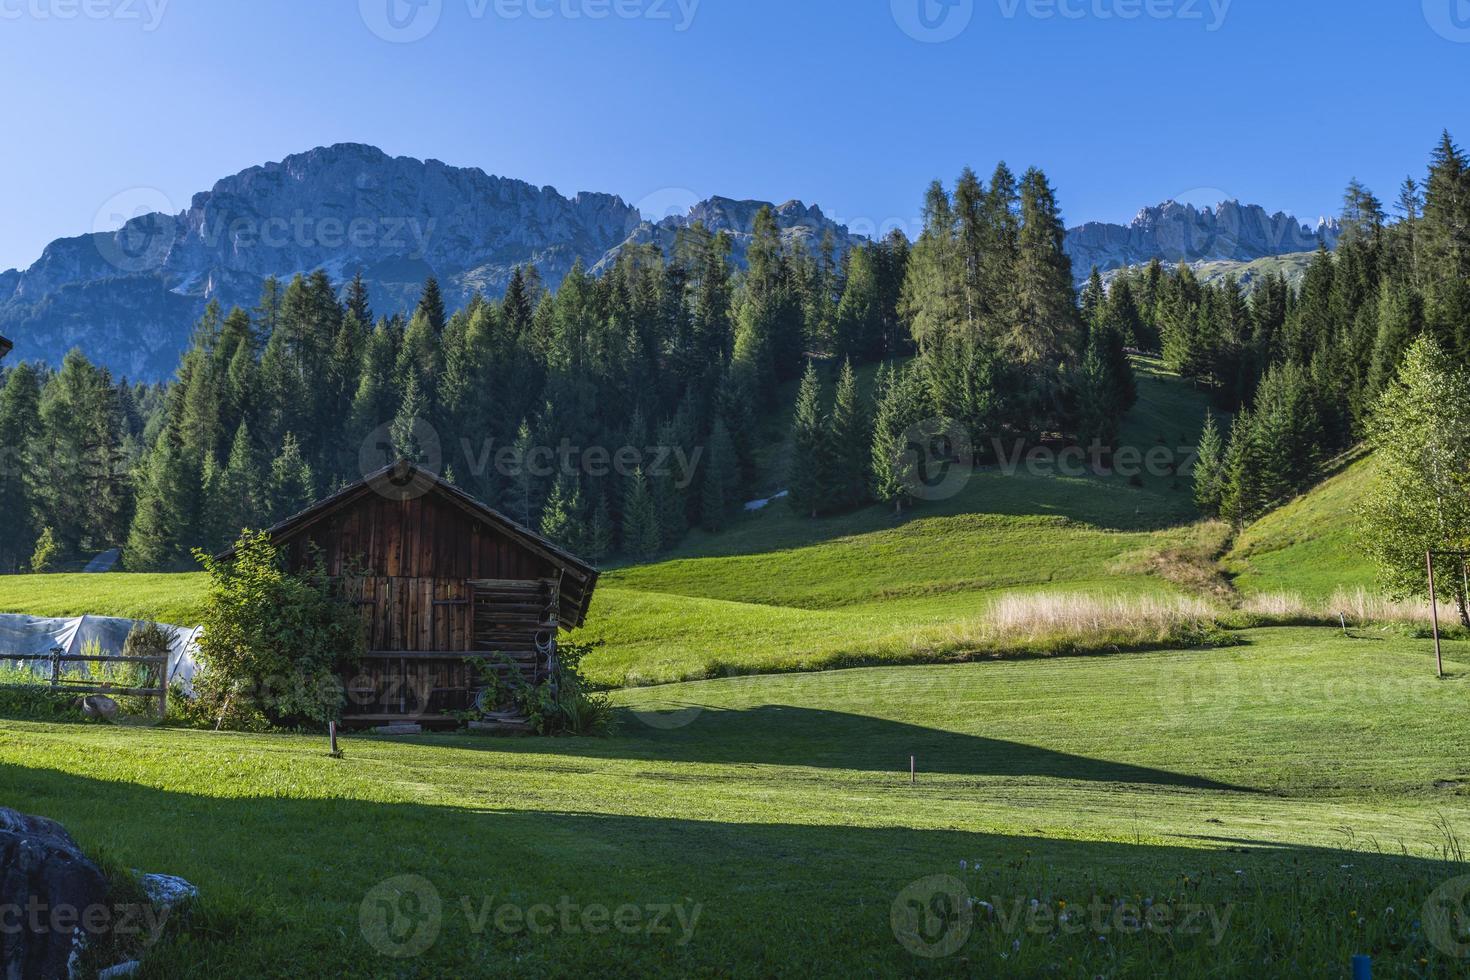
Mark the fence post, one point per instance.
(55, 668)
(163, 689)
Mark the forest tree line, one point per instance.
(977, 321)
(1297, 371)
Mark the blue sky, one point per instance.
(853, 104)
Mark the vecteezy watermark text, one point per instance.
(147, 13)
(934, 917)
(406, 21)
(403, 917)
(937, 21)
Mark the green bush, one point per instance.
(24, 695)
(563, 704)
(274, 643)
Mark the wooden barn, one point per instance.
(5, 347)
(442, 580)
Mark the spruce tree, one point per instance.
(809, 477)
(238, 500)
(1209, 473)
(903, 403)
(563, 520)
(20, 425)
(431, 306)
(718, 495)
(405, 431)
(850, 438)
(600, 531)
(640, 519)
(291, 488)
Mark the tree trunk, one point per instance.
(1460, 602)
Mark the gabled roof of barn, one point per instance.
(5, 347)
(404, 481)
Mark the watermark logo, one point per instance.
(400, 918)
(135, 229)
(390, 444)
(935, 459)
(658, 711)
(932, 918)
(1450, 19)
(401, 21)
(933, 21)
(665, 203)
(1447, 918)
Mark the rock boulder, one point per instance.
(47, 886)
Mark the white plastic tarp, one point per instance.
(34, 636)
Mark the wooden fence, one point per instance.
(59, 681)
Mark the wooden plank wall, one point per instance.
(418, 556)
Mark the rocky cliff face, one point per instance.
(1177, 232)
(129, 298)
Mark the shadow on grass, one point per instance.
(286, 882)
(782, 735)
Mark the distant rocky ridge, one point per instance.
(129, 298)
(1174, 232)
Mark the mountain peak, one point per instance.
(1176, 231)
(130, 297)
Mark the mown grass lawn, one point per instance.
(1295, 790)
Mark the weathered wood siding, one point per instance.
(419, 557)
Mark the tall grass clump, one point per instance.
(1049, 623)
(1356, 607)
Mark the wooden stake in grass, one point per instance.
(913, 772)
(332, 734)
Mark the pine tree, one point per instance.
(47, 554)
(357, 304)
(600, 532)
(640, 519)
(860, 328)
(236, 500)
(902, 404)
(523, 494)
(407, 431)
(808, 481)
(20, 424)
(291, 487)
(563, 520)
(431, 306)
(1047, 326)
(168, 507)
(932, 301)
(1209, 475)
(670, 499)
(850, 437)
(721, 479)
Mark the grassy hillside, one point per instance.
(1266, 782)
(1293, 265)
(166, 598)
(782, 591)
(1307, 546)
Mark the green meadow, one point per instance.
(1044, 756)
